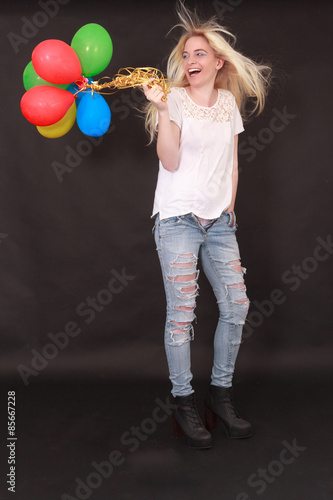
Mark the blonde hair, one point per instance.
(247, 80)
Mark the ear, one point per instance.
(219, 63)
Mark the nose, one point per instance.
(190, 60)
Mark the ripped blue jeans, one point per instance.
(181, 242)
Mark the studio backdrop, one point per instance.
(81, 287)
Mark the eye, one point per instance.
(202, 54)
(185, 56)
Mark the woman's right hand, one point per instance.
(154, 94)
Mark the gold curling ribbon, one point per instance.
(130, 77)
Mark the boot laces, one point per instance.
(229, 404)
(192, 413)
(231, 409)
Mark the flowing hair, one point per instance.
(247, 80)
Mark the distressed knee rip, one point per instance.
(239, 287)
(182, 332)
(240, 290)
(187, 288)
(180, 336)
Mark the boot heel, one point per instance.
(177, 430)
(211, 419)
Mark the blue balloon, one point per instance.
(74, 89)
(93, 115)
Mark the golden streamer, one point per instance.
(127, 78)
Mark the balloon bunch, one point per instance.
(60, 90)
(56, 73)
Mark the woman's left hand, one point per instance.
(155, 94)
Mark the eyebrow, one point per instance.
(196, 50)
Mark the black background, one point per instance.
(62, 236)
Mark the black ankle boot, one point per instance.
(219, 403)
(186, 421)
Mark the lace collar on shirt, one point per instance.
(222, 110)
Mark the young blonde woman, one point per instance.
(197, 135)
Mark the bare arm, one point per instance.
(168, 132)
(167, 142)
(231, 207)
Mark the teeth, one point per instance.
(194, 70)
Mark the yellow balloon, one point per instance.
(61, 127)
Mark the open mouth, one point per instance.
(194, 71)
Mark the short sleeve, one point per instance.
(175, 107)
(237, 122)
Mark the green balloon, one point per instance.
(31, 79)
(93, 45)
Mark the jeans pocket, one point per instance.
(172, 226)
(232, 220)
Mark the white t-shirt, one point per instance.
(202, 183)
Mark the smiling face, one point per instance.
(200, 62)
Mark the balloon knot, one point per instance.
(81, 83)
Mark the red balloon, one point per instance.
(45, 105)
(56, 62)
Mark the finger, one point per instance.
(146, 89)
(151, 91)
(156, 91)
(149, 82)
